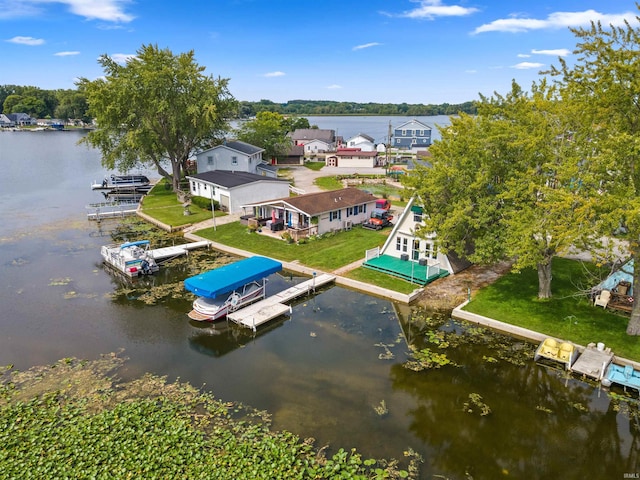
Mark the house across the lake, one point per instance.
(232, 190)
(313, 213)
(413, 257)
(412, 135)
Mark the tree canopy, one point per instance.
(269, 131)
(157, 109)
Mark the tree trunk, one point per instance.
(633, 327)
(544, 278)
(177, 170)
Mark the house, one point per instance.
(315, 140)
(364, 142)
(234, 156)
(20, 119)
(413, 258)
(6, 121)
(412, 135)
(352, 157)
(314, 213)
(232, 190)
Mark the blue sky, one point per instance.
(424, 51)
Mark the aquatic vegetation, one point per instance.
(426, 359)
(59, 281)
(381, 409)
(387, 354)
(476, 405)
(540, 408)
(73, 420)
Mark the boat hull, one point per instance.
(210, 310)
(131, 261)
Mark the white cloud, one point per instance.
(471, 71)
(527, 65)
(523, 55)
(556, 20)
(107, 10)
(430, 9)
(366, 45)
(274, 74)
(26, 41)
(334, 87)
(66, 54)
(122, 58)
(559, 52)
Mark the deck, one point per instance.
(167, 253)
(271, 307)
(593, 363)
(406, 269)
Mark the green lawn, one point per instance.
(162, 204)
(382, 280)
(327, 253)
(569, 315)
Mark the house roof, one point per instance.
(413, 125)
(362, 135)
(238, 146)
(354, 153)
(227, 179)
(321, 202)
(328, 136)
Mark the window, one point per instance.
(209, 160)
(234, 160)
(404, 133)
(405, 245)
(431, 251)
(335, 215)
(204, 186)
(398, 244)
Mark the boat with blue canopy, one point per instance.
(230, 287)
(131, 258)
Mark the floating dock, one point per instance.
(271, 307)
(593, 363)
(167, 253)
(111, 210)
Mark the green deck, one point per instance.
(405, 269)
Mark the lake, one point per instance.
(320, 373)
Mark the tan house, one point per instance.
(313, 213)
(352, 157)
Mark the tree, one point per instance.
(157, 108)
(72, 105)
(604, 84)
(502, 184)
(269, 131)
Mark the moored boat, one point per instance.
(623, 375)
(564, 353)
(122, 182)
(131, 258)
(228, 288)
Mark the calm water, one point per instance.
(319, 373)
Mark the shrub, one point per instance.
(204, 203)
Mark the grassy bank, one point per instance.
(568, 315)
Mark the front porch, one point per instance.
(412, 271)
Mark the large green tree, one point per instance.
(604, 84)
(269, 131)
(157, 109)
(504, 184)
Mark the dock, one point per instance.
(593, 363)
(167, 253)
(111, 210)
(271, 307)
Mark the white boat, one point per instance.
(123, 182)
(131, 258)
(230, 287)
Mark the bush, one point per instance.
(205, 203)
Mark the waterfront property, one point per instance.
(235, 156)
(412, 135)
(352, 157)
(232, 190)
(412, 257)
(312, 213)
(363, 142)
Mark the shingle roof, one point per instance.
(321, 202)
(308, 134)
(244, 147)
(228, 179)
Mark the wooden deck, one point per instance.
(593, 363)
(271, 307)
(167, 253)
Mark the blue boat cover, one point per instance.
(230, 277)
(135, 244)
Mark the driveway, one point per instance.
(304, 178)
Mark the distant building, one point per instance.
(412, 135)
(363, 142)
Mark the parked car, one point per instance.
(383, 204)
(378, 220)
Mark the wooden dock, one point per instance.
(593, 363)
(271, 307)
(167, 253)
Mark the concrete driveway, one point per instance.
(303, 177)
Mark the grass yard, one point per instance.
(162, 204)
(380, 279)
(327, 253)
(569, 315)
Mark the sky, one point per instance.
(384, 51)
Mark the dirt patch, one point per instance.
(451, 291)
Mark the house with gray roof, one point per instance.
(412, 135)
(362, 141)
(234, 156)
(315, 140)
(6, 122)
(232, 190)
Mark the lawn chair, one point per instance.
(602, 299)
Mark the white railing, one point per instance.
(372, 253)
